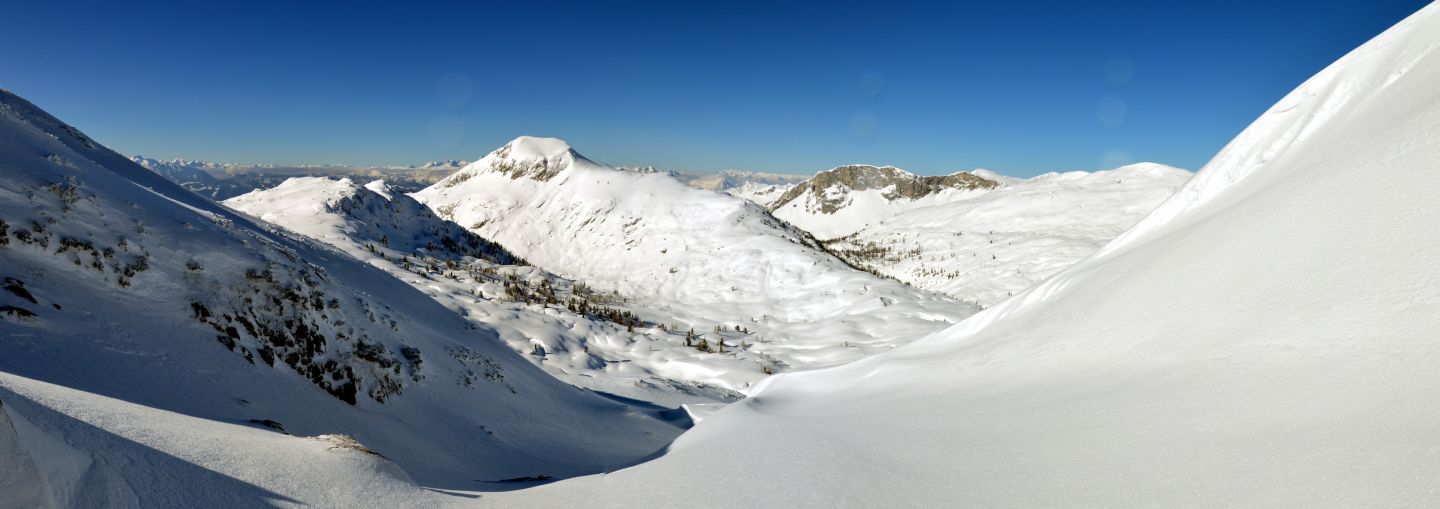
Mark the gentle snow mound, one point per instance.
(1267, 338)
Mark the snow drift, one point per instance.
(1265, 338)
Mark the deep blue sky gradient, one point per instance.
(1018, 87)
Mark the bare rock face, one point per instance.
(539, 159)
(829, 191)
(542, 168)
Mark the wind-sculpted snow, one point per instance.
(1266, 338)
(702, 259)
(121, 284)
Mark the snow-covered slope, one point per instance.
(1265, 338)
(841, 201)
(119, 284)
(984, 246)
(344, 213)
(701, 258)
(537, 313)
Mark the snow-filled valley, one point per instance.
(539, 329)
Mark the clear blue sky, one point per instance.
(1019, 87)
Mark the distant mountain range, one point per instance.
(220, 181)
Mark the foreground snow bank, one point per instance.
(61, 447)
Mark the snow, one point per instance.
(759, 187)
(135, 312)
(759, 193)
(982, 247)
(1265, 338)
(861, 207)
(380, 226)
(693, 257)
(80, 449)
(531, 148)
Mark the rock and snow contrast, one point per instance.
(692, 257)
(587, 338)
(1266, 337)
(841, 201)
(143, 324)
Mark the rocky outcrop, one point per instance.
(829, 190)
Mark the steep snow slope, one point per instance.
(635, 358)
(1265, 338)
(120, 284)
(983, 247)
(702, 258)
(841, 201)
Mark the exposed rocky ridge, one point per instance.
(828, 191)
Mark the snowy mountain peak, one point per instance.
(381, 188)
(532, 147)
(531, 157)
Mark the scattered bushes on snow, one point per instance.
(17, 287)
(16, 312)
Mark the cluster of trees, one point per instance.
(520, 290)
(583, 306)
(581, 300)
(702, 343)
